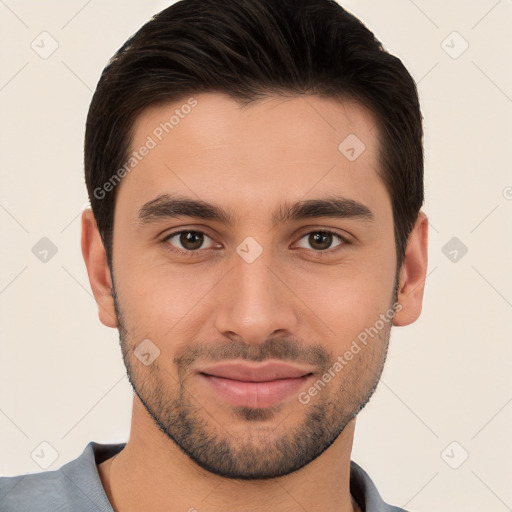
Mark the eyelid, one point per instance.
(343, 235)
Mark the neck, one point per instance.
(152, 473)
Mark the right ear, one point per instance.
(95, 259)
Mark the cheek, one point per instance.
(350, 297)
(161, 301)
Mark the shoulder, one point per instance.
(74, 486)
(35, 492)
(365, 492)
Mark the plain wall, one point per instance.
(448, 376)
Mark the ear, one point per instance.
(95, 259)
(413, 274)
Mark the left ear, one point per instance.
(413, 274)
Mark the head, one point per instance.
(255, 172)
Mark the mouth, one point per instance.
(255, 386)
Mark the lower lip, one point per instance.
(254, 394)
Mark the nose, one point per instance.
(255, 301)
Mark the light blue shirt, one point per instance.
(77, 487)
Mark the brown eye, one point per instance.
(191, 240)
(321, 240)
(186, 240)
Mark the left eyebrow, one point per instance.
(336, 207)
(166, 206)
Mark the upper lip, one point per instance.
(259, 372)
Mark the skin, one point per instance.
(288, 304)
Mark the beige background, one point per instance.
(448, 378)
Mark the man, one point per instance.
(255, 171)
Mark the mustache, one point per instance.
(284, 349)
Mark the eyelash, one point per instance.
(182, 252)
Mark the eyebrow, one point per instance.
(167, 206)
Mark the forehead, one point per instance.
(211, 119)
(210, 146)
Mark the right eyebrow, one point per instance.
(165, 206)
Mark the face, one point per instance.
(289, 257)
